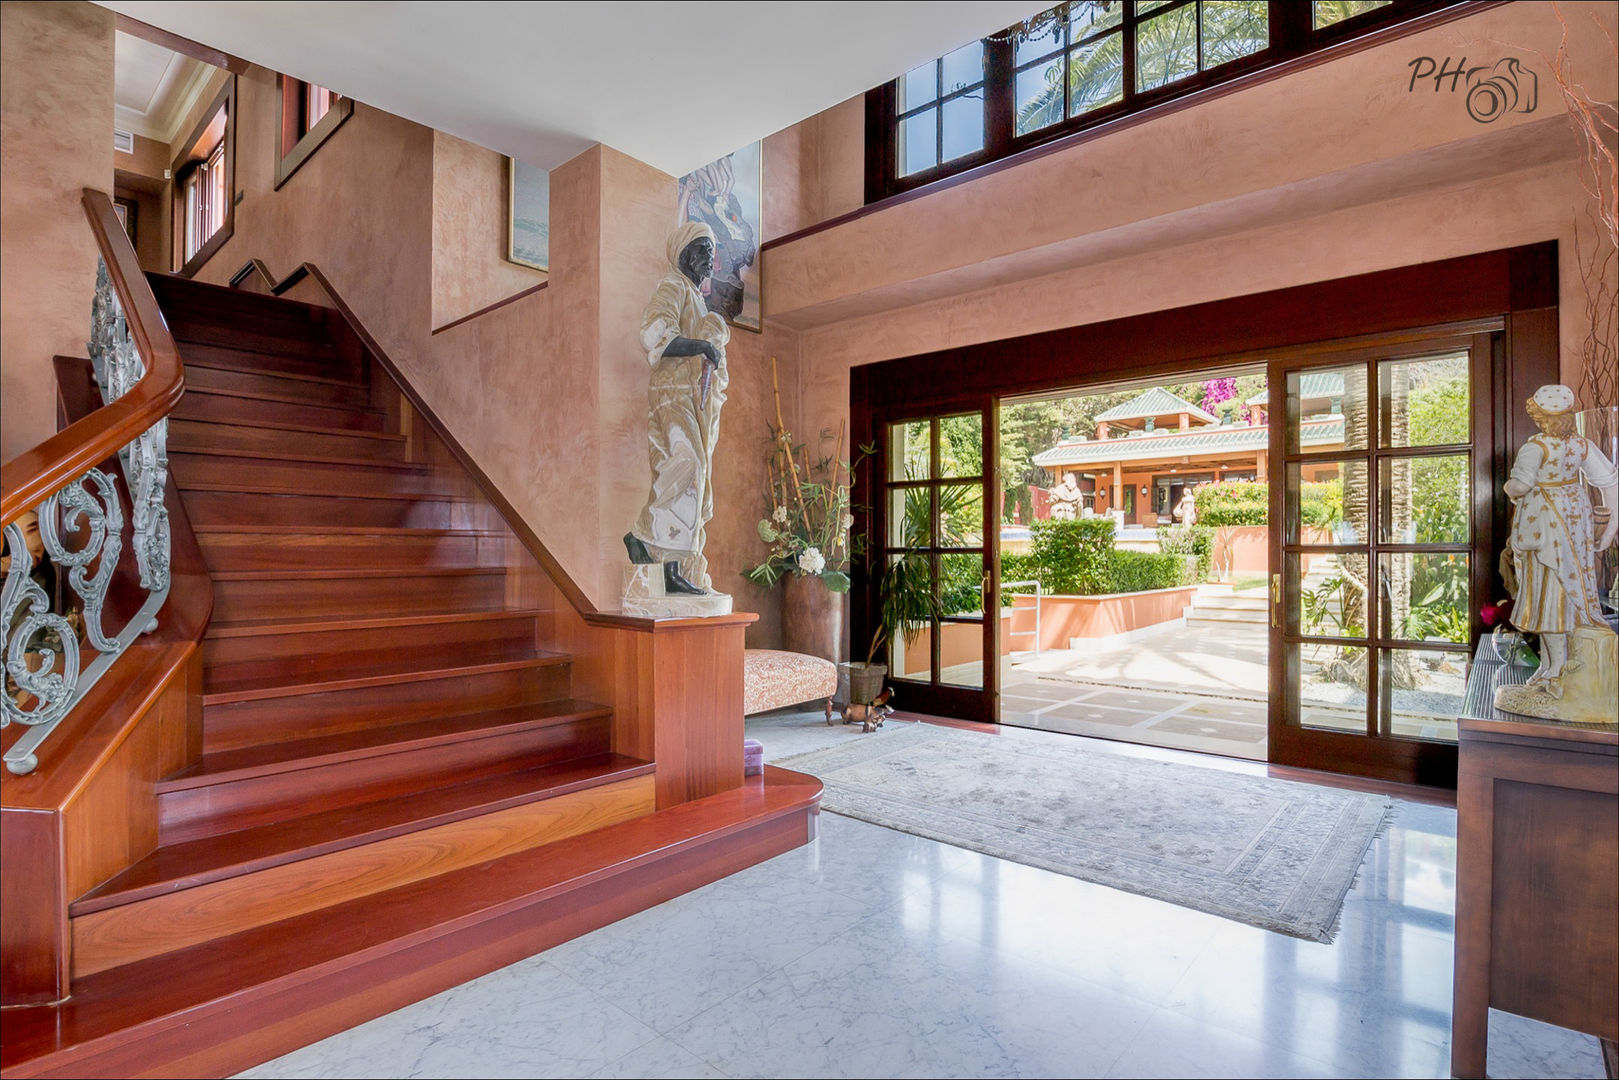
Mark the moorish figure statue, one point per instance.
(685, 344)
(1066, 499)
(1556, 537)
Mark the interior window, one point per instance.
(203, 185)
(309, 116)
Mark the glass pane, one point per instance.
(1096, 74)
(1327, 408)
(1329, 693)
(1424, 402)
(911, 656)
(909, 512)
(1093, 16)
(1425, 597)
(1327, 594)
(1039, 96)
(1166, 47)
(961, 515)
(961, 445)
(910, 452)
(961, 584)
(918, 142)
(963, 68)
(963, 126)
(1424, 500)
(918, 86)
(1328, 12)
(1144, 6)
(1328, 502)
(1420, 692)
(1234, 28)
(1048, 40)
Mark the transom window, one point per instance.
(1083, 63)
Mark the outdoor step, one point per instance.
(1230, 603)
(1224, 615)
(239, 789)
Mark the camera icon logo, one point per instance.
(1509, 87)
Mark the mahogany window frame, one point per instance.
(299, 140)
(187, 161)
(1292, 39)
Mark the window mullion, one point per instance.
(1000, 98)
(1127, 47)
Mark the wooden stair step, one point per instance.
(239, 407)
(272, 440)
(239, 373)
(253, 458)
(307, 345)
(587, 795)
(205, 299)
(238, 789)
(210, 507)
(352, 590)
(359, 478)
(229, 548)
(174, 867)
(336, 643)
(256, 680)
(308, 977)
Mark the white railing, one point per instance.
(1038, 596)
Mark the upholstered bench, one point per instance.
(773, 679)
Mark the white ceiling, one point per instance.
(153, 87)
(673, 84)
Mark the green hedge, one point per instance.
(1077, 558)
(1194, 546)
(1233, 502)
(1072, 556)
(1139, 571)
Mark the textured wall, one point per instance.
(56, 86)
(470, 270)
(1330, 171)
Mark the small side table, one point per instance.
(1537, 872)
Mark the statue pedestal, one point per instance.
(1590, 683)
(645, 597)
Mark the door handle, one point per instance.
(1276, 601)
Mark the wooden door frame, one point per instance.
(1518, 286)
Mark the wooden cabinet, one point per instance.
(1537, 873)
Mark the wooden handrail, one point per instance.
(31, 476)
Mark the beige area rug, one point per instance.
(1275, 854)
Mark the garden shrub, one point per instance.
(1233, 502)
(1072, 557)
(1139, 571)
(1196, 543)
(1321, 503)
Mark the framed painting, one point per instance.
(528, 215)
(725, 195)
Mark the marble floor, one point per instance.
(871, 952)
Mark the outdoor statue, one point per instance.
(1186, 509)
(1556, 538)
(685, 344)
(1066, 499)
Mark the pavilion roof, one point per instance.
(1156, 402)
(1200, 442)
(1312, 384)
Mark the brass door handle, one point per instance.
(1276, 601)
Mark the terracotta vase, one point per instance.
(811, 617)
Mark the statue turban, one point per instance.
(684, 234)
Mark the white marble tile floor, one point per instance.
(871, 952)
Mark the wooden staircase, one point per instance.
(392, 757)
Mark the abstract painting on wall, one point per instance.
(726, 195)
(528, 215)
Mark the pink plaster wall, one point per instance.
(1331, 171)
(56, 94)
(470, 269)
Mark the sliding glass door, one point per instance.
(1380, 510)
(937, 520)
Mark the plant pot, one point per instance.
(865, 681)
(811, 617)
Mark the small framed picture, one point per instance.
(528, 215)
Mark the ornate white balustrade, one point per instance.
(81, 531)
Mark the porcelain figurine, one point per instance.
(1557, 536)
(685, 345)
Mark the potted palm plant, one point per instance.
(907, 601)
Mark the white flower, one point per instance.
(780, 514)
(811, 561)
(846, 522)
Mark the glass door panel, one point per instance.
(936, 517)
(1373, 601)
